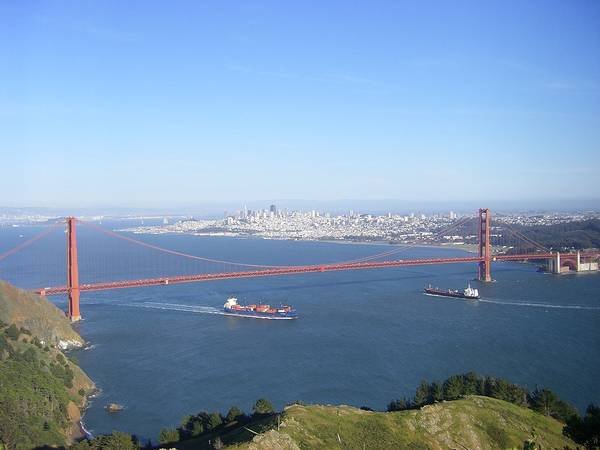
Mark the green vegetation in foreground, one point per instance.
(457, 386)
(210, 430)
(40, 394)
(41, 391)
(473, 422)
(441, 415)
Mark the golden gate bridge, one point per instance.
(483, 259)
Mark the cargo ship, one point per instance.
(469, 293)
(282, 312)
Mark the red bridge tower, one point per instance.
(72, 271)
(485, 248)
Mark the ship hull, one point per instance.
(259, 315)
(436, 293)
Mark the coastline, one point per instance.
(78, 431)
(470, 248)
(81, 381)
(85, 433)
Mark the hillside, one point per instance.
(567, 236)
(474, 422)
(38, 315)
(42, 392)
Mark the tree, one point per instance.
(81, 445)
(546, 402)
(12, 332)
(471, 384)
(197, 428)
(168, 435)
(192, 426)
(436, 393)
(586, 430)
(118, 441)
(452, 388)
(29, 355)
(214, 420)
(563, 411)
(114, 441)
(517, 395)
(263, 406)
(400, 404)
(488, 386)
(422, 394)
(233, 414)
(543, 400)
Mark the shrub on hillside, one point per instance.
(263, 406)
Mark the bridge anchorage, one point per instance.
(556, 262)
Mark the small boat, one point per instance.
(113, 407)
(468, 293)
(282, 312)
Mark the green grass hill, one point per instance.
(474, 422)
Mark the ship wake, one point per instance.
(539, 305)
(179, 307)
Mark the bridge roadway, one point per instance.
(291, 270)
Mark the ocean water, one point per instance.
(363, 337)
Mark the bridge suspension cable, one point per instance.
(527, 239)
(174, 252)
(404, 248)
(266, 266)
(30, 241)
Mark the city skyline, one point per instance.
(213, 210)
(149, 105)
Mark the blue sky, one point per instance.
(182, 103)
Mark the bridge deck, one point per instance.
(291, 270)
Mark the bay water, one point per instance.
(363, 337)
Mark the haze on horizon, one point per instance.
(150, 104)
